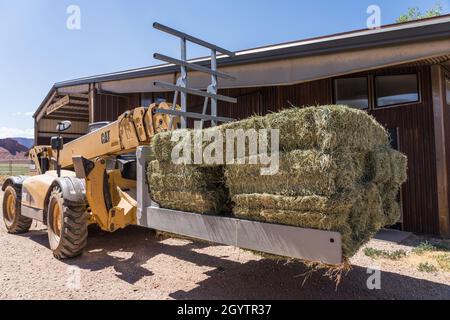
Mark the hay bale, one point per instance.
(205, 202)
(301, 173)
(325, 128)
(162, 145)
(304, 219)
(167, 176)
(399, 167)
(390, 197)
(188, 188)
(387, 165)
(388, 169)
(338, 205)
(357, 215)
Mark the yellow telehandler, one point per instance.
(89, 180)
(100, 178)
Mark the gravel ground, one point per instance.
(136, 264)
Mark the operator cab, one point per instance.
(97, 125)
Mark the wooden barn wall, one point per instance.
(447, 126)
(46, 128)
(416, 137)
(260, 101)
(109, 106)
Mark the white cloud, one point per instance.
(16, 133)
(23, 114)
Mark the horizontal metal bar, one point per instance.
(194, 115)
(286, 241)
(173, 87)
(200, 42)
(193, 66)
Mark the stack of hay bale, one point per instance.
(337, 172)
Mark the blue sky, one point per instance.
(37, 49)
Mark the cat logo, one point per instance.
(105, 137)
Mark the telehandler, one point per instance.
(100, 178)
(73, 191)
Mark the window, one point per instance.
(447, 81)
(396, 90)
(352, 92)
(146, 99)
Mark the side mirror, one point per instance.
(63, 126)
(57, 143)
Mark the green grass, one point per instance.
(375, 253)
(444, 261)
(430, 247)
(15, 169)
(427, 267)
(437, 252)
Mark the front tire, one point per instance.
(67, 227)
(14, 221)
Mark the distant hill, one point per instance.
(4, 154)
(27, 142)
(11, 149)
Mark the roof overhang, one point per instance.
(65, 106)
(296, 62)
(297, 70)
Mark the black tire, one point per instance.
(67, 234)
(14, 221)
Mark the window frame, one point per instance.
(367, 77)
(395, 105)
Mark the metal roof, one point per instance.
(422, 30)
(395, 34)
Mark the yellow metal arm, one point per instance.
(131, 130)
(107, 189)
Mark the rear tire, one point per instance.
(14, 221)
(67, 227)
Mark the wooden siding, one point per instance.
(108, 107)
(447, 128)
(416, 137)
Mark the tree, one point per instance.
(416, 14)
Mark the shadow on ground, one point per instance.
(264, 279)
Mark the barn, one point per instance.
(398, 73)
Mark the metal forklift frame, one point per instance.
(181, 87)
(280, 240)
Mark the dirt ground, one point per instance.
(136, 264)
